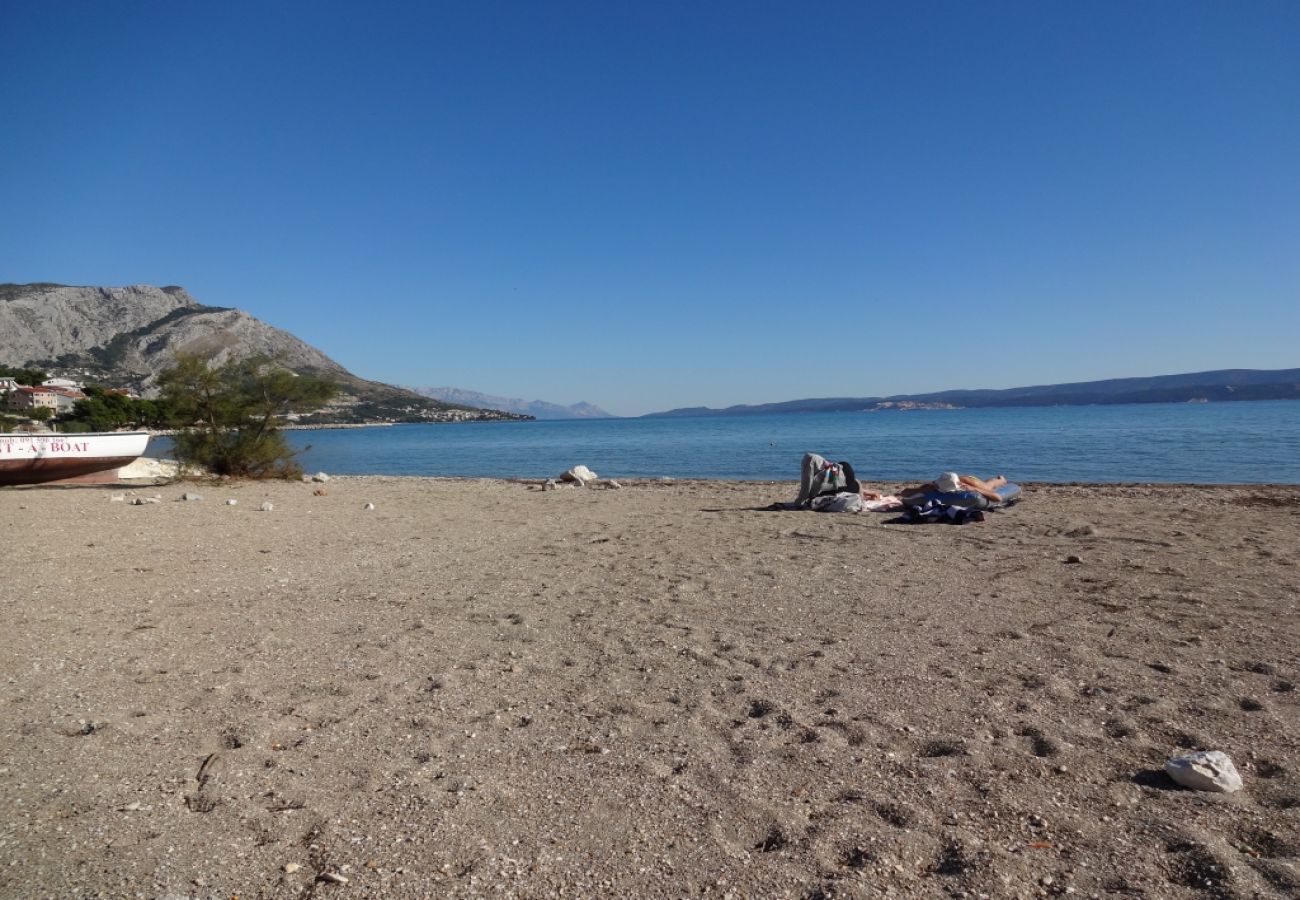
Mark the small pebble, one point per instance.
(290, 868)
(231, 502)
(267, 507)
(1073, 559)
(369, 506)
(332, 878)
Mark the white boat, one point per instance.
(91, 458)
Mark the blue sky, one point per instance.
(675, 204)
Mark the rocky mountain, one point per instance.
(1192, 387)
(125, 337)
(538, 409)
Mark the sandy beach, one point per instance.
(479, 688)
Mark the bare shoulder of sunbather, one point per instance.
(928, 487)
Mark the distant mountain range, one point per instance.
(126, 336)
(538, 409)
(1195, 387)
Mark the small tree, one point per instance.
(227, 415)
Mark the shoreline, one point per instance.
(169, 432)
(886, 485)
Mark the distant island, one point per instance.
(1195, 387)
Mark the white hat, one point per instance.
(948, 481)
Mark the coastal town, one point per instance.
(55, 395)
(35, 400)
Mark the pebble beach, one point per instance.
(480, 688)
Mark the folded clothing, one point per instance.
(932, 511)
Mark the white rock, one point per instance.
(551, 485)
(117, 498)
(369, 506)
(148, 467)
(579, 474)
(612, 485)
(231, 502)
(1205, 770)
(290, 868)
(189, 496)
(141, 501)
(321, 477)
(267, 507)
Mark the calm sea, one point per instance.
(1209, 442)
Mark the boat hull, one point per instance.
(67, 458)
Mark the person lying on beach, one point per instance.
(951, 481)
(819, 477)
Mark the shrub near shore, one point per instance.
(232, 410)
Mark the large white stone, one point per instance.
(580, 474)
(1205, 770)
(148, 467)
